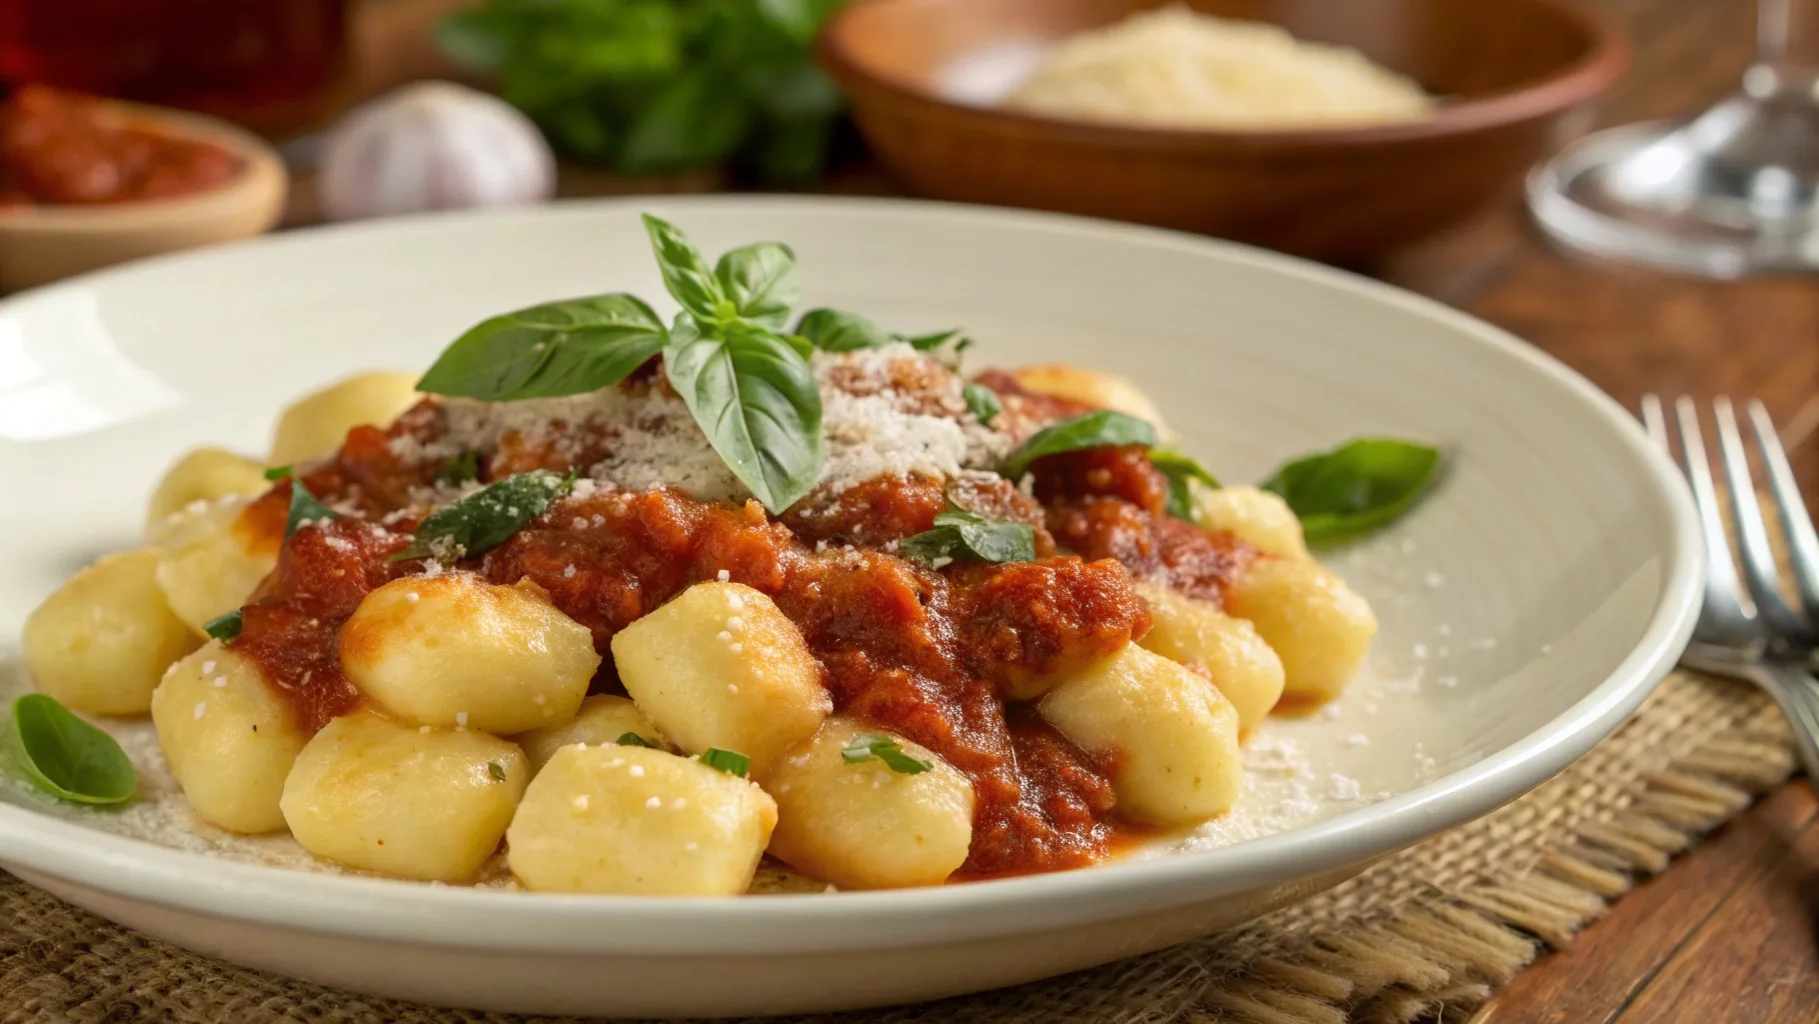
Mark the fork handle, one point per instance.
(1797, 691)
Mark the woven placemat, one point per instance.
(1429, 933)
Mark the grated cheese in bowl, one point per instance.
(1176, 68)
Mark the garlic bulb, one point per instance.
(433, 146)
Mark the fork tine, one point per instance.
(1752, 535)
(1723, 608)
(1653, 421)
(1796, 522)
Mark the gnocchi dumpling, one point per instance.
(1091, 387)
(416, 802)
(632, 820)
(201, 475)
(1256, 516)
(603, 718)
(315, 425)
(1317, 625)
(455, 650)
(103, 640)
(230, 740)
(1168, 738)
(720, 666)
(1244, 668)
(212, 559)
(862, 825)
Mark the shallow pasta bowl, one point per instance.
(1527, 605)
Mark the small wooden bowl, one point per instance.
(1516, 78)
(40, 244)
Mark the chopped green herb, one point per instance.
(728, 761)
(486, 518)
(1088, 430)
(224, 627)
(460, 469)
(866, 746)
(632, 739)
(67, 757)
(1180, 471)
(982, 402)
(277, 473)
(959, 534)
(1356, 487)
(496, 770)
(305, 509)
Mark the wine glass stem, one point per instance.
(1787, 35)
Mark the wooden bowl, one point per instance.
(40, 244)
(1516, 78)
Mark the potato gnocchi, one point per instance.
(559, 633)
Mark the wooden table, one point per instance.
(1727, 934)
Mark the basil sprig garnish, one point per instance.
(1356, 487)
(959, 535)
(66, 757)
(486, 518)
(559, 348)
(496, 770)
(756, 399)
(686, 274)
(982, 402)
(1088, 430)
(866, 746)
(1180, 471)
(225, 627)
(729, 761)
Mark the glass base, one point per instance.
(1732, 192)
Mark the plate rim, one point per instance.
(388, 910)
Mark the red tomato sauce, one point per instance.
(59, 148)
(922, 653)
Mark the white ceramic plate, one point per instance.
(1527, 606)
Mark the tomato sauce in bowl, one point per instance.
(65, 149)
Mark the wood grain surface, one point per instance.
(1727, 934)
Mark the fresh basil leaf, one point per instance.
(982, 402)
(67, 757)
(1088, 430)
(1180, 471)
(632, 739)
(685, 272)
(224, 627)
(729, 761)
(305, 509)
(959, 534)
(1356, 487)
(559, 348)
(496, 770)
(486, 518)
(460, 469)
(756, 399)
(832, 330)
(866, 746)
(761, 282)
(277, 473)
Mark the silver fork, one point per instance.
(1759, 637)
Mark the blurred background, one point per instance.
(1351, 132)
